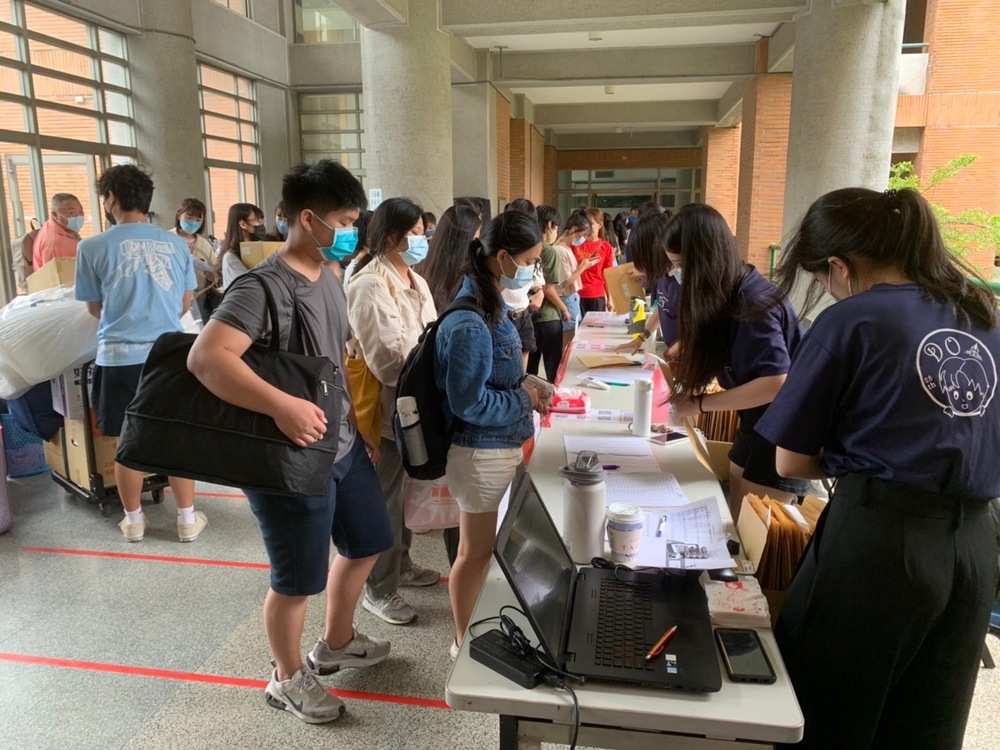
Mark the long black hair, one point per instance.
(714, 271)
(578, 221)
(889, 230)
(234, 232)
(390, 222)
(513, 231)
(447, 253)
(649, 246)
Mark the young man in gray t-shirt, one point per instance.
(321, 201)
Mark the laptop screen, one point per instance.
(537, 565)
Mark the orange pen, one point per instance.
(658, 648)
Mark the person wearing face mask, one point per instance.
(389, 305)
(189, 225)
(244, 224)
(478, 370)
(322, 200)
(594, 295)
(60, 234)
(280, 233)
(892, 393)
(736, 327)
(523, 293)
(575, 232)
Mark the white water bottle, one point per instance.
(642, 413)
(413, 434)
(584, 507)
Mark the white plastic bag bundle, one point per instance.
(42, 335)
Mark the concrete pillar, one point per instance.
(406, 72)
(165, 102)
(763, 149)
(502, 110)
(720, 172)
(844, 94)
(474, 143)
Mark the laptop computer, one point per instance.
(601, 623)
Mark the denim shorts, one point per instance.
(297, 530)
(572, 302)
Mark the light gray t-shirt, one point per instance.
(322, 310)
(232, 269)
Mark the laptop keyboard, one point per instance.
(623, 614)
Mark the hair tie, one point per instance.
(891, 199)
(476, 246)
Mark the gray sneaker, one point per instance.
(360, 651)
(303, 696)
(392, 608)
(417, 576)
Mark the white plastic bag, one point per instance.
(42, 335)
(428, 504)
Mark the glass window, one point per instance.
(46, 55)
(58, 26)
(111, 43)
(11, 81)
(237, 6)
(332, 127)
(615, 190)
(321, 21)
(10, 45)
(57, 91)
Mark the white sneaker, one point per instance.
(392, 608)
(133, 531)
(360, 651)
(303, 696)
(454, 650)
(188, 532)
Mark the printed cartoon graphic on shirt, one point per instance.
(957, 371)
(155, 257)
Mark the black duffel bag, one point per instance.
(176, 426)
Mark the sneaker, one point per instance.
(133, 531)
(392, 608)
(188, 532)
(453, 651)
(417, 576)
(360, 651)
(303, 696)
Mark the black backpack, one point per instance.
(417, 380)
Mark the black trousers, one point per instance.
(548, 348)
(593, 304)
(884, 623)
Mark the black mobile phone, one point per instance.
(744, 656)
(666, 437)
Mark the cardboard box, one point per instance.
(67, 392)
(57, 272)
(76, 453)
(55, 454)
(253, 253)
(622, 287)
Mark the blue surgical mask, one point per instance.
(523, 277)
(282, 226)
(75, 222)
(429, 233)
(345, 240)
(678, 273)
(190, 227)
(579, 241)
(416, 250)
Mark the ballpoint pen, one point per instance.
(658, 648)
(660, 525)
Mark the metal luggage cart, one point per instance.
(97, 493)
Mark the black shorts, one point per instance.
(752, 453)
(525, 326)
(114, 389)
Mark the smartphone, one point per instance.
(744, 657)
(667, 437)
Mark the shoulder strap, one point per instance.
(295, 332)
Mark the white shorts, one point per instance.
(479, 477)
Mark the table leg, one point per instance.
(508, 736)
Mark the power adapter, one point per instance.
(494, 649)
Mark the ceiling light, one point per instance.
(609, 88)
(595, 36)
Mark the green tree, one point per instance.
(963, 232)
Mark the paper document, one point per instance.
(593, 346)
(618, 375)
(595, 415)
(653, 490)
(608, 359)
(604, 319)
(688, 537)
(628, 454)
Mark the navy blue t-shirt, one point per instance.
(760, 345)
(667, 294)
(889, 384)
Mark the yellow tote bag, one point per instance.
(366, 393)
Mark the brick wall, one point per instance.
(536, 182)
(520, 159)
(763, 157)
(550, 185)
(503, 151)
(962, 35)
(721, 171)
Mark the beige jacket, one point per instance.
(385, 324)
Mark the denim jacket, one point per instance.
(480, 371)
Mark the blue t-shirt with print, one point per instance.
(760, 345)
(889, 384)
(139, 273)
(667, 295)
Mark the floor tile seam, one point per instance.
(211, 679)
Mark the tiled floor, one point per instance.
(122, 650)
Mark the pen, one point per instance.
(610, 467)
(660, 525)
(658, 648)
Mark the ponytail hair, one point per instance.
(578, 221)
(894, 229)
(513, 231)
